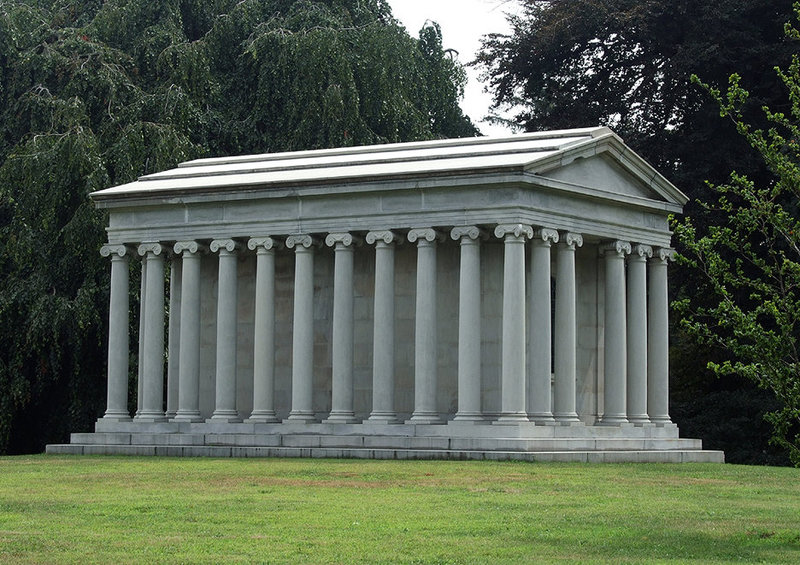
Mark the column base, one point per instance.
(466, 416)
(170, 414)
(262, 417)
(612, 420)
(664, 423)
(638, 419)
(378, 417)
(149, 417)
(225, 416)
(425, 418)
(566, 418)
(341, 417)
(511, 418)
(301, 416)
(188, 416)
(116, 416)
(542, 418)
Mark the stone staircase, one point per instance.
(524, 442)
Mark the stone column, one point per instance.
(118, 337)
(140, 364)
(174, 337)
(512, 399)
(383, 410)
(189, 354)
(469, 323)
(566, 325)
(227, 304)
(342, 334)
(539, 328)
(151, 405)
(264, 332)
(303, 328)
(615, 365)
(637, 334)
(658, 339)
(425, 331)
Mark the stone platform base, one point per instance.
(460, 441)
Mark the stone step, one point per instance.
(386, 442)
(584, 456)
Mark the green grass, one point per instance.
(60, 509)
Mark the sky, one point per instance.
(463, 23)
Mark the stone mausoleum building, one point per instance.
(467, 298)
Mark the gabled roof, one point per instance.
(533, 153)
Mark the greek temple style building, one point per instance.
(483, 298)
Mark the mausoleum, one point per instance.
(500, 298)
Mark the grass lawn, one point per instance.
(65, 509)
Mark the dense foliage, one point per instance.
(751, 260)
(628, 64)
(95, 93)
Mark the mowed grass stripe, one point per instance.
(63, 509)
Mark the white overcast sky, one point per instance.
(463, 23)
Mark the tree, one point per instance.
(627, 64)
(94, 94)
(751, 261)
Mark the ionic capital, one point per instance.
(386, 236)
(344, 239)
(190, 247)
(301, 240)
(641, 252)
(665, 254)
(572, 240)
(151, 247)
(259, 243)
(618, 247)
(228, 245)
(119, 251)
(424, 234)
(469, 232)
(517, 230)
(546, 235)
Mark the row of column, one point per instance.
(636, 362)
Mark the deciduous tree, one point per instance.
(751, 260)
(94, 94)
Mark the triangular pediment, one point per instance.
(606, 165)
(602, 172)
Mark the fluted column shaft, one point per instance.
(303, 329)
(342, 346)
(425, 334)
(658, 339)
(469, 324)
(152, 404)
(637, 334)
(189, 353)
(174, 337)
(566, 325)
(225, 380)
(118, 337)
(264, 332)
(512, 398)
(539, 328)
(615, 364)
(383, 409)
